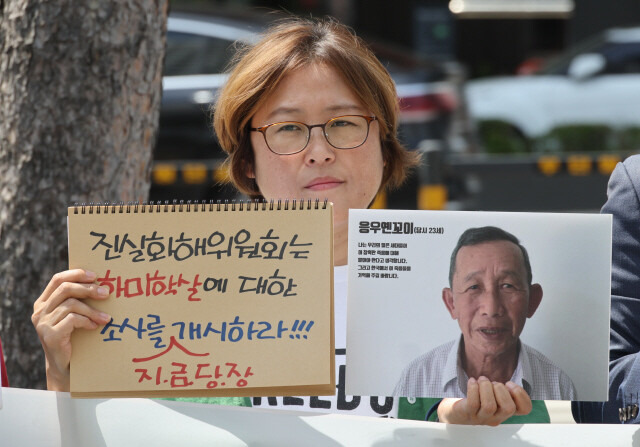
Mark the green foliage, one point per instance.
(498, 137)
(629, 139)
(590, 138)
(578, 138)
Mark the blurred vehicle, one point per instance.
(199, 48)
(587, 99)
(197, 54)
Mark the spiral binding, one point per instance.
(196, 206)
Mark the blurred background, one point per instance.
(517, 105)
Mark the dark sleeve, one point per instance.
(624, 361)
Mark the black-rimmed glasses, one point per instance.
(341, 132)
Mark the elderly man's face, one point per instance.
(490, 296)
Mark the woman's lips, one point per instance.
(322, 183)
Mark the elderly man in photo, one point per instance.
(490, 295)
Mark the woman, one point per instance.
(308, 112)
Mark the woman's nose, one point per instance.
(319, 150)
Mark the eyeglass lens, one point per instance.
(344, 132)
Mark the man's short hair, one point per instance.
(476, 236)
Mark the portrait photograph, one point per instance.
(438, 298)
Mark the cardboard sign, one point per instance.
(402, 336)
(206, 300)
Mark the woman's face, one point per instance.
(350, 178)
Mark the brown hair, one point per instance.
(286, 46)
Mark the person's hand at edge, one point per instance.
(59, 311)
(487, 403)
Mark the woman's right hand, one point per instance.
(58, 312)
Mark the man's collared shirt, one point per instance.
(439, 373)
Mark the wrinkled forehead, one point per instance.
(502, 257)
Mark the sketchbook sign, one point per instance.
(206, 301)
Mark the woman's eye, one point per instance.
(289, 128)
(341, 123)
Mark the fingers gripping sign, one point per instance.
(59, 311)
(487, 403)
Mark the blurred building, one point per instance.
(488, 40)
